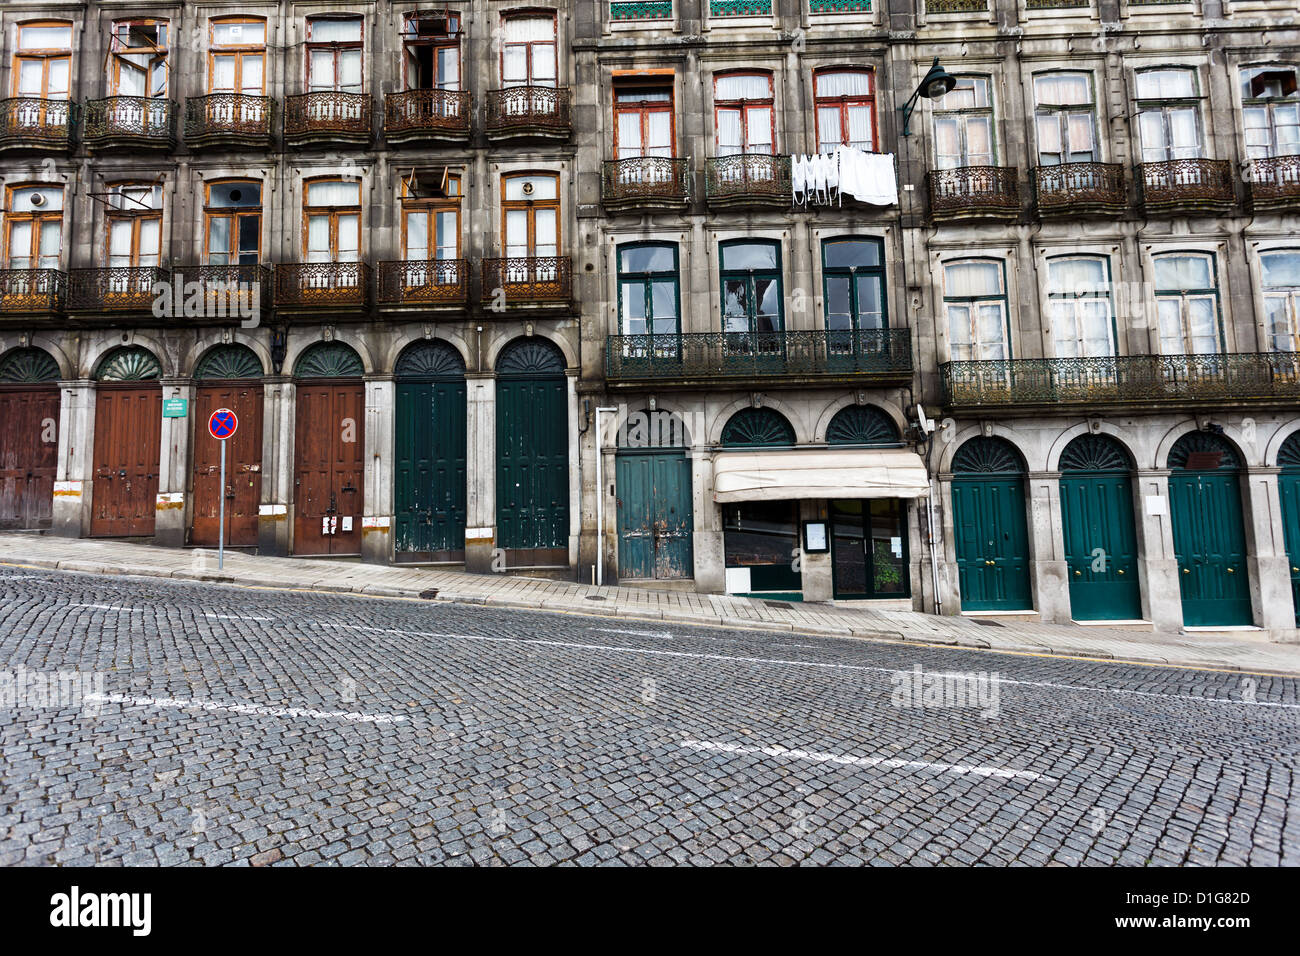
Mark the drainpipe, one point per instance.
(600, 496)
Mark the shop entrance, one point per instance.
(869, 549)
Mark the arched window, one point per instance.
(846, 109)
(1187, 301)
(862, 425)
(975, 298)
(1281, 280)
(751, 427)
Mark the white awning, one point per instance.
(828, 473)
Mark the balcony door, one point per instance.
(1187, 303)
(237, 61)
(431, 52)
(234, 224)
(744, 118)
(1083, 322)
(42, 67)
(531, 224)
(854, 285)
(963, 129)
(528, 51)
(975, 299)
(643, 122)
(431, 238)
(34, 228)
(846, 109)
(1065, 119)
(1271, 112)
(1169, 115)
(138, 58)
(332, 233)
(750, 274)
(334, 55)
(1282, 299)
(134, 242)
(649, 301)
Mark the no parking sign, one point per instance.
(222, 423)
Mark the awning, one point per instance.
(829, 473)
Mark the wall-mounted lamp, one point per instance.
(933, 85)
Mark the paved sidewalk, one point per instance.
(117, 557)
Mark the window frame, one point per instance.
(647, 280)
(1184, 295)
(137, 216)
(46, 55)
(842, 103)
(411, 39)
(431, 207)
(744, 106)
(961, 114)
(39, 219)
(336, 47)
(160, 52)
(238, 51)
(333, 212)
(1062, 113)
(234, 214)
(531, 205)
(1267, 104)
(852, 272)
(1108, 296)
(749, 276)
(644, 108)
(528, 45)
(1142, 105)
(1291, 295)
(1002, 298)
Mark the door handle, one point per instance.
(1078, 574)
(1187, 570)
(1230, 571)
(1119, 571)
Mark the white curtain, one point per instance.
(1176, 273)
(971, 279)
(333, 193)
(318, 239)
(335, 30)
(746, 86)
(417, 235)
(729, 137)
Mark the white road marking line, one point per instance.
(172, 703)
(618, 630)
(782, 753)
(236, 617)
(111, 607)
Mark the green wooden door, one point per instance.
(1209, 534)
(990, 532)
(1099, 530)
(1289, 490)
(654, 515)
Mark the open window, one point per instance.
(137, 64)
(431, 50)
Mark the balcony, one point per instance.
(228, 120)
(528, 112)
(32, 291)
(135, 122)
(327, 117)
(1080, 189)
(740, 8)
(232, 291)
(427, 116)
(313, 286)
(956, 6)
(1275, 183)
(424, 283)
(645, 184)
(115, 289)
(703, 359)
(1188, 186)
(528, 280)
(974, 192)
(641, 10)
(35, 124)
(1143, 381)
(748, 179)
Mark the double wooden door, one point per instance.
(243, 489)
(29, 447)
(128, 437)
(329, 444)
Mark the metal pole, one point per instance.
(221, 497)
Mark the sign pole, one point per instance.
(221, 532)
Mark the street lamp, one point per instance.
(933, 85)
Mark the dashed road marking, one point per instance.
(173, 703)
(618, 630)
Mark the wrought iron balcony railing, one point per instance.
(1275, 183)
(1188, 184)
(115, 289)
(1072, 189)
(740, 8)
(1122, 380)
(138, 121)
(321, 284)
(30, 123)
(641, 9)
(230, 291)
(956, 6)
(645, 182)
(328, 116)
(748, 179)
(527, 111)
(417, 115)
(25, 291)
(974, 192)
(424, 282)
(692, 359)
(839, 6)
(228, 119)
(528, 279)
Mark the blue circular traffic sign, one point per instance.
(222, 423)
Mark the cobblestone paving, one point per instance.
(258, 727)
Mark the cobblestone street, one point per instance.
(275, 727)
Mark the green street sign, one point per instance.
(175, 407)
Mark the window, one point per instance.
(528, 55)
(138, 58)
(1169, 115)
(34, 227)
(846, 109)
(1270, 111)
(531, 215)
(1187, 302)
(643, 121)
(431, 51)
(1282, 299)
(963, 128)
(332, 214)
(334, 54)
(237, 56)
(750, 273)
(431, 225)
(234, 224)
(854, 285)
(1079, 305)
(975, 298)
(1065, 118)
(134, 225)
(648, 294)
(43, 62)
(743, 113)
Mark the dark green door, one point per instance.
(1209, 534)
(429, 485)
(1289, 490)
(654, 515)
(989, 528)
(1099, 529)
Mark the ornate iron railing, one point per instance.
(1275, 182)
(528, 109)
(417, 113)
(640, 9)
(974, 191)
(32, 290)
(1129, 379)
(321, 284)
(130, 120)
(35, 123)
(1054, 4)
(644, 180)
(528, 279)
(228, 117)
(740, 8)
(328, 113)
(1194, 183)
(693, 357)
(232, 287)
(1073, 188)
(956, 6)
(748, 177)
(424, 282)
(839, 6)
(115, 289)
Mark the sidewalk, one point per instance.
(116, 557)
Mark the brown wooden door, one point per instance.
(128, 429)
(29, 450)
(328, 442)
(243, 464)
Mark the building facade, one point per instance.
(557, 288)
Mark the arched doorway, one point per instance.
(1099, 529)
(532, 489)
(1288, 482)
(228, 376)
(128, 436)
(1209, 533)
(29, 438)
(328, 450)
(990, 534)
(430, 454)
(655, 516)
